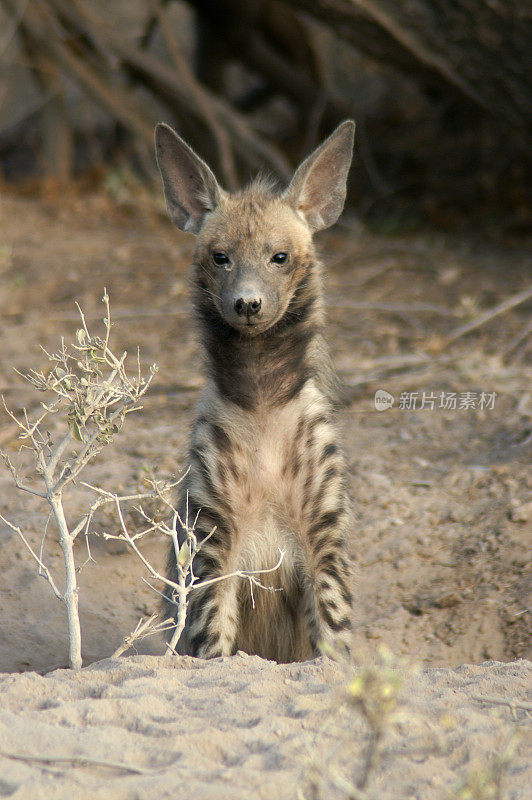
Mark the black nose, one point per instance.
(248, 305)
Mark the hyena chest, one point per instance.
(270, 472)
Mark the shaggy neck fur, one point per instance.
(269, 368)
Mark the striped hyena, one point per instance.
(265, 466)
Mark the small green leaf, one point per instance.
(80, 335)
(184, 554)
(75, 430)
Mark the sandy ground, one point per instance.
(242, 727)
(443, 515)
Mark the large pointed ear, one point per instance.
(319, 185)
(190, 188)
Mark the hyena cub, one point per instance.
(265, 467)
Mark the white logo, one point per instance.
(383, 400)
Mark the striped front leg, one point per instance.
(328, 600)
(212, 617)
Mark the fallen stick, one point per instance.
(506, 305)
(502, 701)
(75, 761)
(521, 336)
(392, 308)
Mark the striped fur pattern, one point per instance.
(265, 466)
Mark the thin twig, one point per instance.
(502, 701)
(394, 308)
(240, 573)
(43, 569)
(370, 757)
(76, 761)
(144, 628)
(523, 334)
(487, 316)
(18, 483)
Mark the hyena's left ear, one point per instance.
(190, 188)
(319, 185)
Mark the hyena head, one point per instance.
(254, 248)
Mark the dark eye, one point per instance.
(220, 259)
(280, 258)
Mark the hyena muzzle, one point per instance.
(265, 467)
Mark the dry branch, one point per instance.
(487, 316)
(38, 24)
(220, 135)
(472, 49)
(75, 761)
(169, 84)
(503, 701)
(470, 54)
(143, 628)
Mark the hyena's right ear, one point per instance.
(190, 188)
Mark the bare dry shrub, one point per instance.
(91, 394)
